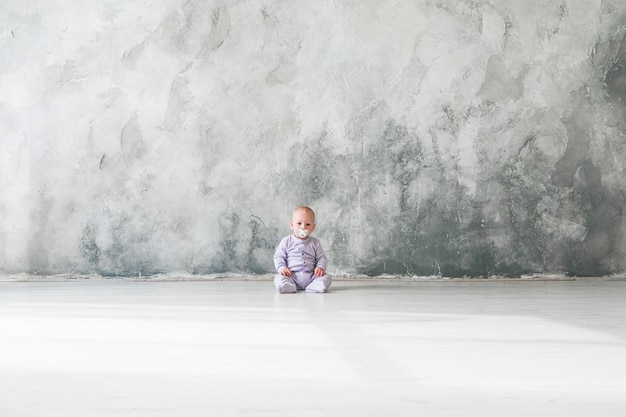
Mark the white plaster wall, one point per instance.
(445, 137)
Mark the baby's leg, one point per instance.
(320, 284)
(302, 279)
(284, 285)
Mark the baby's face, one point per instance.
(302, 224)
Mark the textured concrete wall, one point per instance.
(431, 137)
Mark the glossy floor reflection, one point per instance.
(367, 348)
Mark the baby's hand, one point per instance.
(319, 272)
(285, 271)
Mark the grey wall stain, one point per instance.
(599, 252)
(578, 125)
(230, 245)
(89, 247)
(262, 243)
(615, 78)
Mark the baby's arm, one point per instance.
(320, 261)
(280, 260)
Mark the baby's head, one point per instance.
(302, 222)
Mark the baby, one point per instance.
(299, 258)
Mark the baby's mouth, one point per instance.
(303, 233)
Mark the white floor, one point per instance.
(367, 348)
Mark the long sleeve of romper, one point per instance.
(300, 255)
